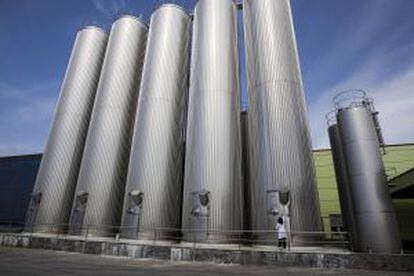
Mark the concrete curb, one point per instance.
(227, 256)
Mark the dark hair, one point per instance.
(280, 220)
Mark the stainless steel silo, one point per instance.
(280, 155)
(376, 224)
(52, 195)
(102, 176)
(342, 182)
(212, 198)
(154, 186)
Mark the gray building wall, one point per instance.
(17, 178)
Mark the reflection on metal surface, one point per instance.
(59, 169)
(156, 164)
(280, 155)
(375, 220)
(213, 154)
(342, 181)
(105, 161)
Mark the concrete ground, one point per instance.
(19, 261)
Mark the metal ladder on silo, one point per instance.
(377, 125)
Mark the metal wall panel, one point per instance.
(212, 198)
(102, 177)
(154, 186)
(376, 224)
(342, 182)
(56, 181)
(280, 145)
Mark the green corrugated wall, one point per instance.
(398, 159)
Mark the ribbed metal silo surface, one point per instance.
(154, 187)
(212, 198)
(102, 177)
(56, 181)
(281, 153)
(342, 181)
(376, 224)
(244, 130)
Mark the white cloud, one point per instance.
(25, 116)
(393, 96)
(395, 102)
(377, 72)
(110, 8)
(30, 103)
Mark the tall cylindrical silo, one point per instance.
(342, 182)
(102, 177)
(52, 195)
(281, 152)
(212, 198)
(376, 224)
(154, 186)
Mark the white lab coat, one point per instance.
(281, 231)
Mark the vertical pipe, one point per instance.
(154, 186)
(212, 199)
(376, 224)
(101, 183)
(55, 185)
(281, 152)
(245, 170)
(342, 182)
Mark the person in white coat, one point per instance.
(281, 232)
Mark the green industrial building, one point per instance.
(399, 166)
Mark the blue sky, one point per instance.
(342, 44)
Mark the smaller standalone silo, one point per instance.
(98, 199)
(52, 195)
(375, 219)
(152, 203)
(344, 190)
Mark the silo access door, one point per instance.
(32, 211)
(78, 213)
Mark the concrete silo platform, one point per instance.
(227, 254)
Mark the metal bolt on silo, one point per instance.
(212, 198)
(280, 155)
(152, 200)
(375, 219)
(98, 199)
(52, 196)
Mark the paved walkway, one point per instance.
(18, 261)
